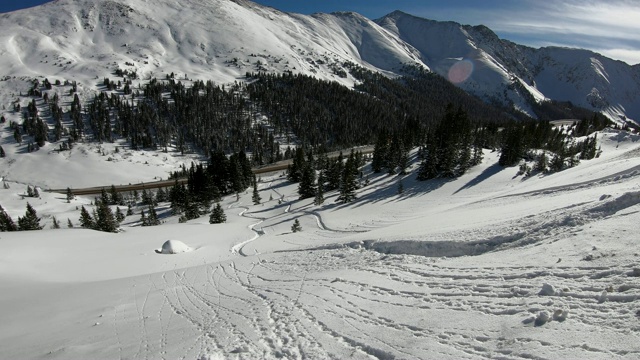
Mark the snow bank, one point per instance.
(174, 247)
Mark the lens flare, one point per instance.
(461, 71)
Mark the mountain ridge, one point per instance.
(222, 39)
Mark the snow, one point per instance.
(86, 41)
(487, 265)
(173, 247)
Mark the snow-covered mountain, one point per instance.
(86, 40)
(515, 73)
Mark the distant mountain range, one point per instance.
(222, 40)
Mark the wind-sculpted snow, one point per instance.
(537, 268)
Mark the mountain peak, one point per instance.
(222, 40)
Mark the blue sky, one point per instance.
(611, 27)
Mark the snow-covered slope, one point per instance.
(488, 265)
(220, 40)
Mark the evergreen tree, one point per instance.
(161, 195)
(296, 226)
(148, 198)
(104, 197)
(55, 224)
(217, 215)
(178, 196)
(86, 221)
(105, 220)
(256, 196)
(30, 221)
(297, 166)
(557, 162)
(69, 223)
(115, 197)
(129, 210)
(191, 209)
(380, 153)
(307, 187)
(349, 182)
(513, 147)
(428, 166)
(319, 198)
(30, 192)
(69, 195)
(143, 218)
(541, 163)
(119, 215)
(334, 173)
(152, 219)
(2, 153)
(6, 223)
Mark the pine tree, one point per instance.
(319, 198)
(86, 221)
(307, 187)
(380, 153)
(115, 196)
(334, 173)
(217, 215)
(36, 193)
(161, 196)
(178, 196)
(152, 219)
(105, 220)
(6, 223)
(119, 215)
(297, 166)
(69, 223)
(541, 163)
(349, 182)
(69, 195)
(256, 196)
(2, 153)
(148, 198)
(30, 192)
(55, 224)
(296, 226)
(104, 197)
(143, 218)
(513, 146)
(30, 221)
(129, 210)
(191, 209)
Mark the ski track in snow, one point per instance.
(472, 291)
(349, 302)
(284, 306)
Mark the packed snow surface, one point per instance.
(490, 265)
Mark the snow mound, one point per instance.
(173, 247)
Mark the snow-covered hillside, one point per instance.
(220, 40)
(487, 265)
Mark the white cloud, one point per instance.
(629, 56)
(611, 28)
